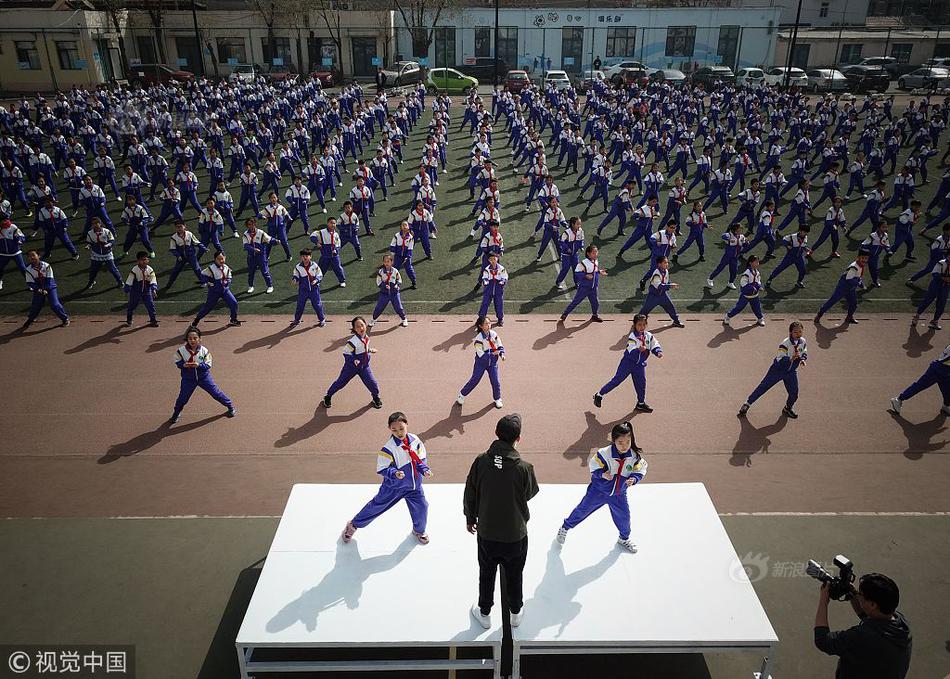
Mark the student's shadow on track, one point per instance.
(178, 339)
(19, 332)
(824, 335)
(710, 300)
(753, 440)
(596, 435)
(272, 340)
(540, 299)
(111, 336)
(342, 585)
(728, 334)
(561, 332)
(455, 421)
(919, 435)
(319, 422)
(918, 344)
(459, 339)
(557, 590)
(150, 439)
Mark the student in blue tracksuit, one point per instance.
(662, 244)
(619, 208)
(494, 279)
(187, 249)
(904, 231)
(735, 242)
(658, 292)
(792, 355)
(571, 246)
(750, 285)
(835, 220)
(11, 242)
(488, 351)
(402, 462)
(307, 277)
(218, 276)
(142, 287)
(349, 227)
(587, 279)
(257, 245)
(936, 294)
(40, 281)
(799, 208)
(872, 208)
(401, 247)
(613, 470)
(876, 244)
(939, 249)
(389, 282)
(356, 363)
(137, 220)
(640, 344)
(796, 251)
(55, 225)
(938, 372)
(644, 216)
(194, 361)
(847, 287)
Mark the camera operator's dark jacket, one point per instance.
(872, 649)
(497, 491)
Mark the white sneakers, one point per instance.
(250, 290)
(561, 535)
(343, 284)
(270, 289)
(483, 620)
(731, 285)
(498, 403)
(371, 323)
(709, 283)
(760, 322)
(460, 400)
(725, 321)
(626, 544)
(516, 618)
(896, 405)
(405, 323)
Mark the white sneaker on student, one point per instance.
(725, 321)
(731, 285)
(516, 618)
(626, 544)
(709, 283)
(498, 403)
(896, 405)
(561, 535)
(270, 289)
(250, 290)
(483, 620)
(405, 323)
(460, 400)
(760, 322)
(371, 323)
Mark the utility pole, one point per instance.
(201, 54)
(791, 46)
(496, 44)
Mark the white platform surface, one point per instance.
(684, 588)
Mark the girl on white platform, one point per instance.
(402, 464)
(612, 470)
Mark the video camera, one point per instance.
(840, 587)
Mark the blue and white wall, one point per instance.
(540, 34)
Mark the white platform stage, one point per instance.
(384, 602)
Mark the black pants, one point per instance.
(510, 556)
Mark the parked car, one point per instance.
(939, 62)
(584, 81)
(776, 76)
(865, 79)
(149, 74)
(616, 67)
(243, 73)
(516, 81)
(403, 73)
(709, 75)
(559, 79)
(752, 77)
(483, 69)
(631, 76)
(827, 80)
(449, 80)
(278, 73)
(668, 75)
(928, 78)
(327, 77)
(888, 63)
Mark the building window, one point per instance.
(508, 45)
(281, 51)
(445, 47)
(26, 55)
(621, 42)
(851, 54)
(680, 41)
(482, 42)
(823, 10)
(232, 48)
(728, 45)
(68, 51)
(901, 51)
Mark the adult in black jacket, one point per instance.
(878, 647)
(497, 491)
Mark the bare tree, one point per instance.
(118, 14)
(329, 13)
(156, 14)
(269, 11)
(417, 15)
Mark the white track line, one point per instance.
(277, 516)
(429, 301)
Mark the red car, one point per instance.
(326, 78)
(516, 81)
(149, 74)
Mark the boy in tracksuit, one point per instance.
(141, 286)
(936, 294)
(640, 344)
(187, 250)
(402, 463)
(792, 354)
(494, 279)
(613, 470)
(796, 251)
(904, 231)
(11, 242)
(389, 282)
(938, 372)
(750, 285)
(658, 294)
(349, 228)
(307, 277)
(848, 284)
(257, 245)
(100, 241)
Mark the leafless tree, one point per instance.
(421, 16)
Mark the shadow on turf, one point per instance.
(455, 421)
(272, 340)
(824, 335)
(560, 332)
(150, 439)
(918, 344)
(920, 434)
(729, 334)
(220, 659)
(753, 440)
(319, 422)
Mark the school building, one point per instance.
(571, 38)
(830, 47)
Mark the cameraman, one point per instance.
(879, 646)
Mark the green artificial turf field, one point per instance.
(445, 283)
